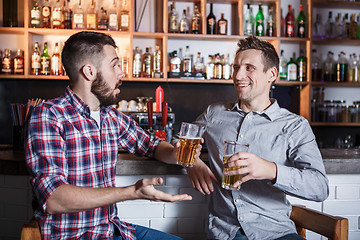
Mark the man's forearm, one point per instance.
(165, 152)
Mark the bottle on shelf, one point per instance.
(137, 63)
(56, 68)
(282, 25)
(318, 29)
(91, 17)
(302, 67)
(175, 62)
(289, 23)
(353, 27)
(210, 67)
(217, 67)
(199, 66)
(187, 63)
(146, 64)
(10, 13)
(329, 27)
(329, 67)
(18, 67)
(35, 15)
(196, 20)
(113, 17)
(103, 20)
(270, 23)
(292, 69)
(358, 27)
(341, 68)
(211, 21)
(184, 25)
(259, 23)
(283, 66)
(301, 23)
(339, 27)
(249, 21)
(157, 60)
(125, 65)
(346, 26)
(353, 69)
(6, 62)
(68, 15)
(173, 19)
(36, 60)
(57, 15)
(124, 16)
(45, 61)
(46, 15)
(226, 68)
(316, 67)
(79, 22)
(222, 25)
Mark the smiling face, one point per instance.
(106, 87)
(251, 83)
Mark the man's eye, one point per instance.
(236, 68)
(248, 68)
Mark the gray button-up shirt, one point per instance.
(260, 207)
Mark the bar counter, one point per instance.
(336, 161)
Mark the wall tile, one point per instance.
(169, 225)
(344, 207)
(140, 211)
(185, 210)
(347, 192)
(191, 225)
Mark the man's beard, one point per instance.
(103, 92)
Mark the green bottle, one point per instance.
(259, 28)
(301, 22)
(292, 69)
(302, 62)
(45, 61)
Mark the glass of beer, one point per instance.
(232, 147)
(190, 137)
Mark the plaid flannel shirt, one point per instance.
(66, 146)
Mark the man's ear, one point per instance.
(89, 72)
(273, 73)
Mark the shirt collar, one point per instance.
(271, 112)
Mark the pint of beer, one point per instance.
(190, 137)
(232, 147)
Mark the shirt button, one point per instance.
(248, 117)
(237, 200)
(241, 136)
(241, 218)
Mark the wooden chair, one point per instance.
(332, 227)
(30, 230)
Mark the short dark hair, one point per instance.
(83, 46)
(270, 56)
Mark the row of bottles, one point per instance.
(294, 69)
(186, 24)
(330, 70)
(148, 64)
(340, 28)
(60, 15)
(43, 63)
(11, 65)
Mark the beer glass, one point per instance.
(230, 148)
(190, 137)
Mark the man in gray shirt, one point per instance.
(283, 157)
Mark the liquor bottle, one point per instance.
(217, 67)
(270, 23)
(91, 17)
(353, 69)
(226, 68)
(341, 68)
(184, 25)
(302, 66)
(249, 21)
(316, 66)
(113, 18)
(35, 60)
(329, 67)
(35, 15)
(289, 21)
(210, 68)
(339, 27)
(125, 65)
(79, 22)
(187, 63)
(46, 14)
(175, 62)
(157, 59)
(353, 27)
(358, 27)
(137, 63)
(283, 66)
(67, 15)
(318, 29)
(301, 23)
(103, 20)
(10, 13)
(346, 26)
(282, 25)
(146, 64)
(6, 62)
(56, 61)
(199, 63)
(18, 63)
(124, 16)
(56, 15)
(259, 27)
(292, 69)
(211, 21)
(173, 19)
(222, 25)
(196, 21)
(329, 27)
(45, 61)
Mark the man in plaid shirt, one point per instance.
(72, 150)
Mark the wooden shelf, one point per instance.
(350, 42)
(12, 30)
(337, 84)
(335, 4)
(290, 83)
(334, 124)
